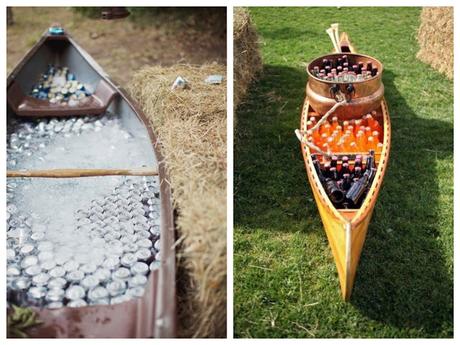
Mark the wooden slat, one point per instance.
(66, 173)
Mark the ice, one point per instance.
(80, 221)
(77, 142)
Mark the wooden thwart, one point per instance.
(66, 173)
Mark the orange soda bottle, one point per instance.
(358, 124)
(353, 147)
(361, 141)
(335, 122)
(339, 131)
(376, 135)
(371, 143)
(323, 138)
(326, 128)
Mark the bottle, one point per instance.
(335, 122)
(371, 144)
(327, 169)
(331, 144)
(360, 141)
(358, 161)
(376, 135)
(317, 166)
(345, 142)
(334, 174)
(357, 172)
(369, 66)
(334, 192)
(358, 123)
(339, 130)
(326, 128)
(370, 160)
(346, 182)
(353, 147)
(334, 162)
(368, 131)
(323, 138)
(358, 188)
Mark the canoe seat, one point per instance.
(28, 106)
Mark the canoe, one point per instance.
(109, 165)
(346, 229)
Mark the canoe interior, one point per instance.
(117, 138)
(346, 229)
(381, 158)
(59, 51)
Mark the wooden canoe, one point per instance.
(154, 313)
(346, 229)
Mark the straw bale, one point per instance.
(191, 126)
(436, 39)
(247, 62)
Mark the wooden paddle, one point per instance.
(64, 173)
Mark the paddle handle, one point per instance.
(64, 173)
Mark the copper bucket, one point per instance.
(362, 96)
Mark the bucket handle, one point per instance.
(339, 96)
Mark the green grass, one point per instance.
(285, 281)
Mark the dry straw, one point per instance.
(436, 39)
(191, 126)
(246, 56)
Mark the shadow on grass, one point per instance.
(403, 278)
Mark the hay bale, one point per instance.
(246, 56)
(436, 39)
(191, 126)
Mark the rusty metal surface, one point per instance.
(155, 313)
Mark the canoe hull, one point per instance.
(346, 229)
(154, 314)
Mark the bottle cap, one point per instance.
(89, 282)
(40, 279)
(140, 268)
(57, 272)
(57, 283)
(98, 293)
(75, 292)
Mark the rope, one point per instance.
(300, 133)
(310, 144)
(325, 116)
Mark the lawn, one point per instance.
(285, 280)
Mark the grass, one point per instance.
(285, 281)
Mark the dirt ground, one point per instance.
(125, 45)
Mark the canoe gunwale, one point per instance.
(164, 294)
